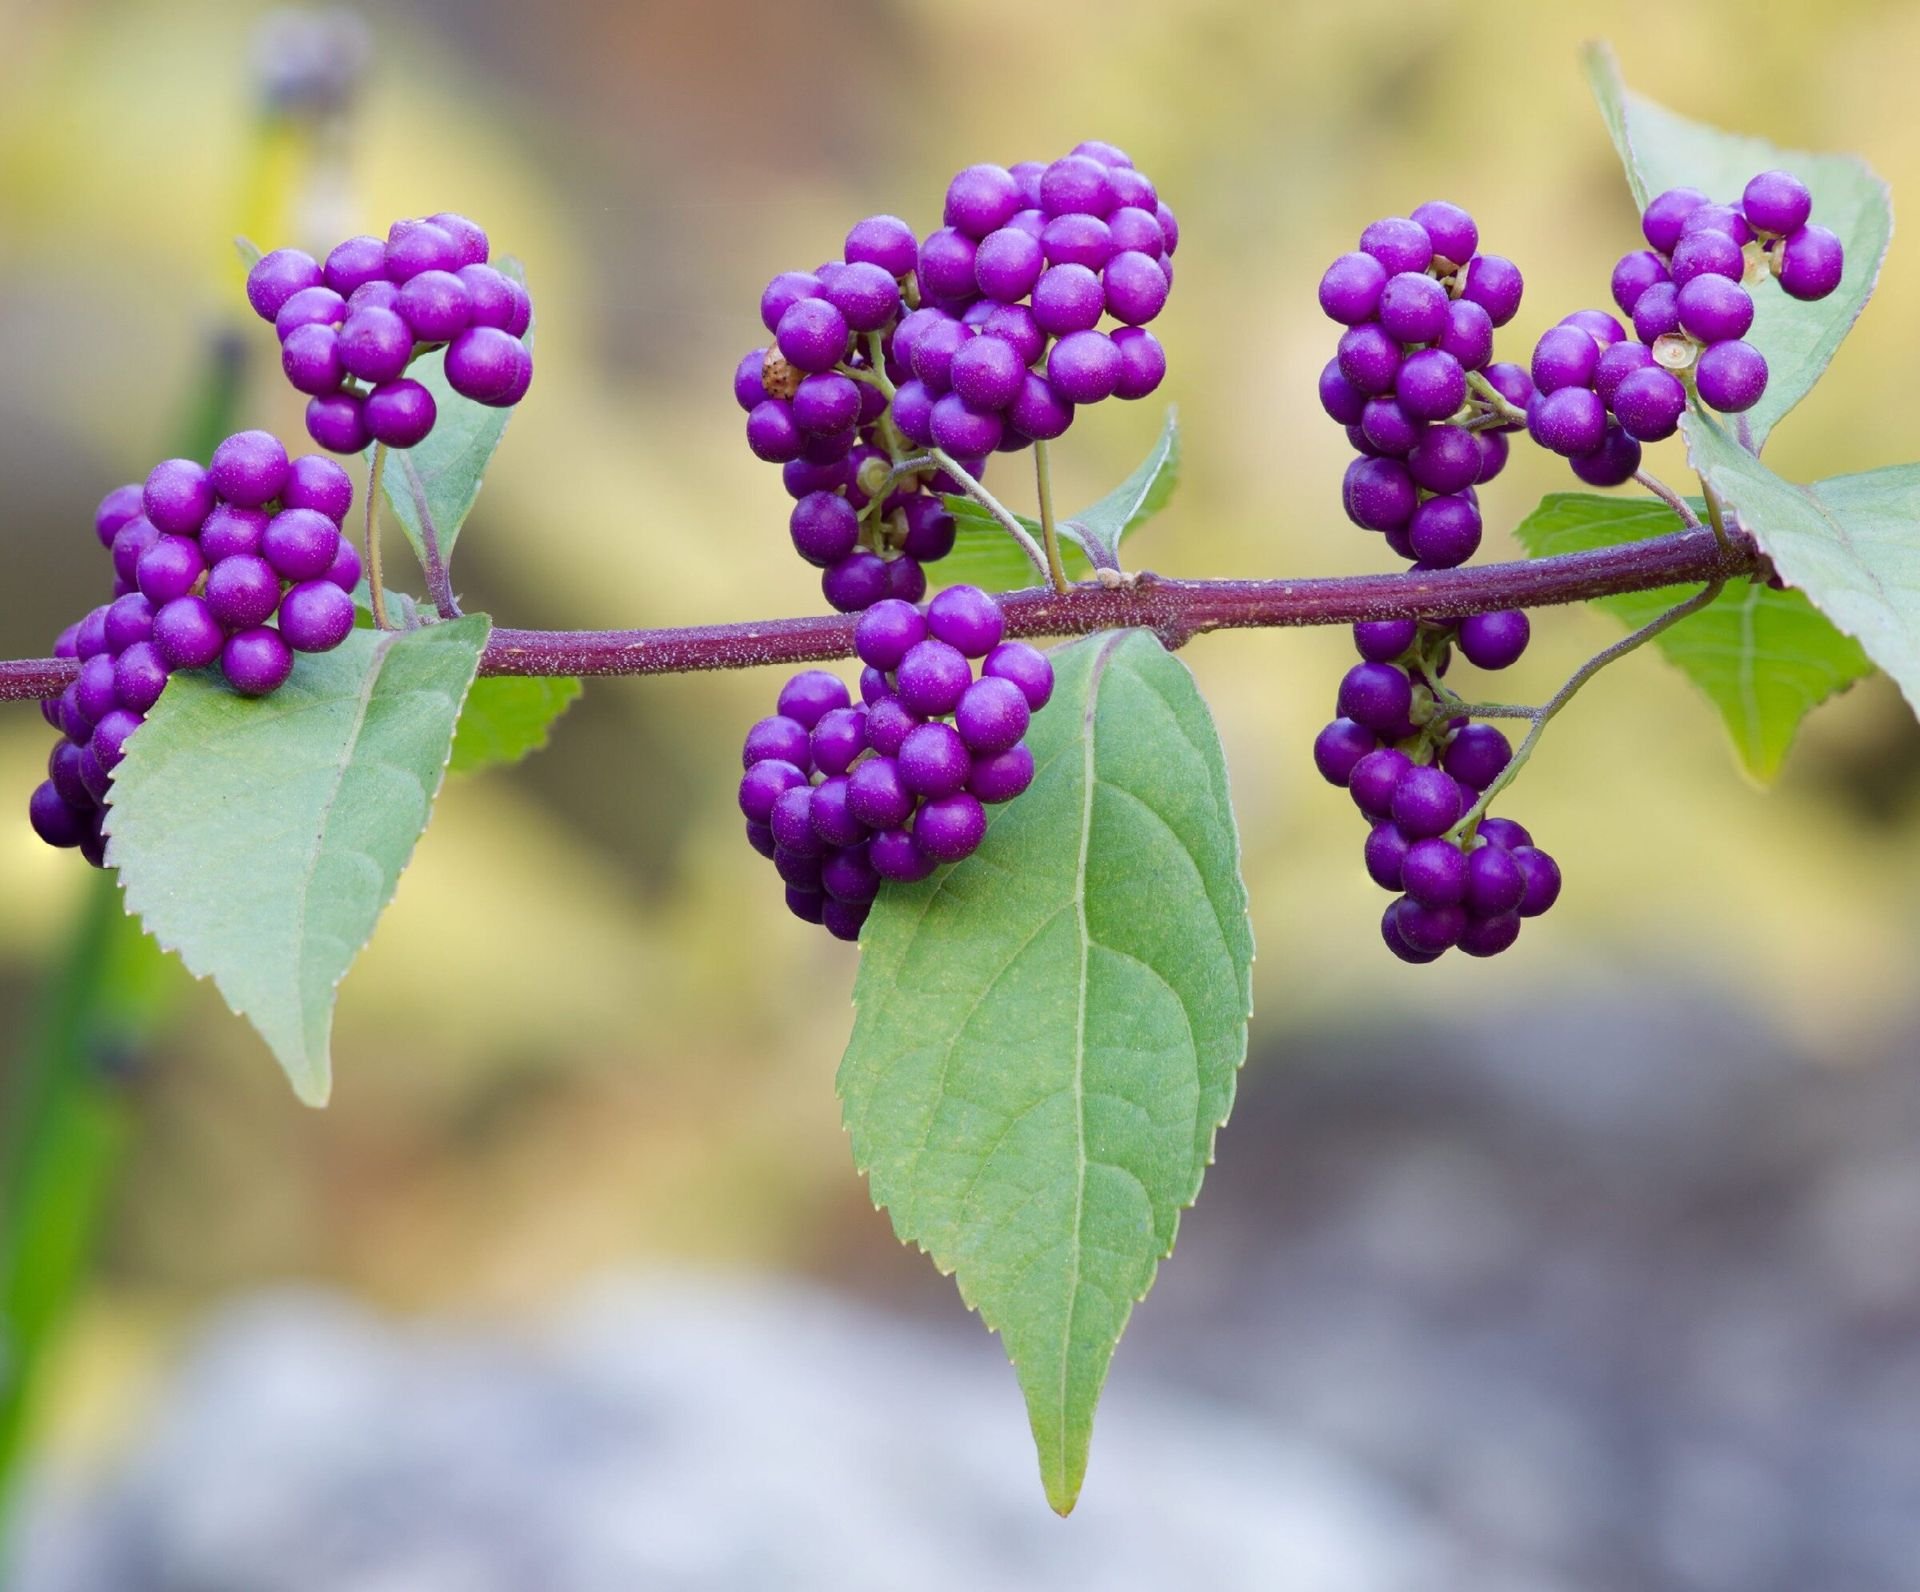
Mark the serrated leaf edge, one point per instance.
(312, 1088)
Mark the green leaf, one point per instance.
(262, 839)
(986, 556)
(506, 718)
(1661, 150)
(1047, 1034)
(1848, 542)
(446, 470)
(1764, 658)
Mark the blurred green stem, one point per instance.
(1008, 520)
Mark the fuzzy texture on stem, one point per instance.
(1175, 610)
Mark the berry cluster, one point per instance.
(349, 328)
(1415, 772)
(982, 337)
(1599, 393)
(1420, 304)
(203, 559)
(843, 797)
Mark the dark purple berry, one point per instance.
(1476, 755)
(1351, 288)
(338, 422)
(315, 483)
(932, 678)
(1707, 253)
(934, 760)
(810, 695)
(1657, 312)
(1776, 201)
(249, 468)
(489, 365)
(764, 784)
(1434, 873)
(1565, 356)
(1396, 941)
(1495, 884)
(1376, 695)
(992, 715)
(1542, 875)
(1490, 936)
(256, 662)
(1369, 358)
(1667, 214)
(399, 413)
(1494, 283)
(1444, 531)
(1379, 494)
(1712, 309)
(779, 738)
(1430, 384)
(1496, 640)
(839, 738)
(1429, 930)
(951, 827)
(1633, 275)
(169, 568)
(792, 823)
(824, 527)
(243, 590)
(1426, 801)
(1571, 421)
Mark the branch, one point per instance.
(1175, 610)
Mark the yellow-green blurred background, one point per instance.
(586, 1036)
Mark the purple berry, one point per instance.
(1007, 264)
(489, 366)
(1385, 855)
(314, 482)
(1512, 383)
(894, 855)
(1076, 185)
(470, 239)
(55, 820)
(1633, 275)
(885, 241)
(887, 632)
(1731, 376)
(771, 432)
(249, 468)
(496, 300)
(1384, 640)
(987, 373)
(1713, 310)
(1430, 384)
(1667, 214)
(315, 616)
(311, 361)
(833, 819)
(932, 678)
(1468, 334)
(414, 246)
(256, 662)
(1413, 307)
(946, 269)
(1378, 494)
(1445, 531)
(934, 760)
(1077, 240)
(1451, 230)
(793, 833)
(966, 619)
(779, 738)
(1067, 298)
(436, 305)
(1445, 459)
(1542, 875)
(850, 880)
(981, 199)
(276, 277)
(1657, 312)
(355, 263)
(243, 590)
(128, 619)
(1571, 421)
(338, 422)
(345, 569)
(857, 582)
(1610, 464)
(1476, 755)
(1496, 640)
(1040, 411)
(839, 738)
(1707, 253)
(1396, 941)
(1369, 358)
(311, 306)
(110, 737)
(1026, 667)
(824, 528)
(1616, 365)
(1490, 936)
(930, 530)
(764, 784)
(1339, 747)
(94, 692)
(1351, 288)
(300, 544)
(1494, 283)
(950, 828)
(1001, 776)
(1376, 695)
(186, 634)
(992, 715)
(1718, 218)
(399, 413)
(1391, 430)
(1136, 288)
(178, 496)
(1398, 244)
(813, 335)
(866, 296)
(1812, 261)
(1776, 201)
(1565, 356)
(169, 568)
(1434, 873)
(877, 795)
(1597, 324)
(810, 695)
(1495, 884)
(1426, 930)
(962, 429)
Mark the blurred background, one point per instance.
(1595, 1268)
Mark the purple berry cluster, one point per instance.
(1600, 393)
(844, 796)
(203, 560)
(350, 328)
(1415, 772)
(982, 337)
(1419, 303)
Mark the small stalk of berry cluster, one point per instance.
(1540, 717)
(999, 510)
(433, 565)
(376, 590)
(1668, 496)
(1043, 481)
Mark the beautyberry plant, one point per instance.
(1035, 851)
